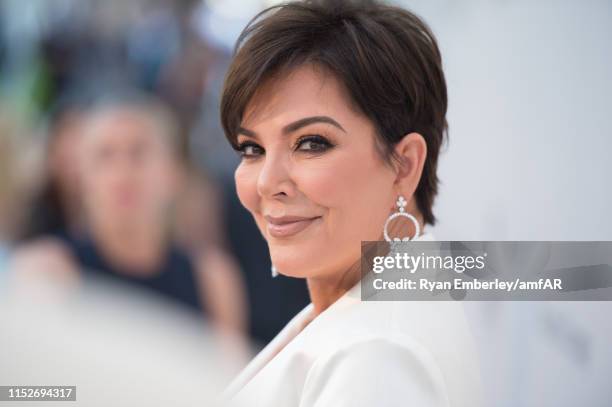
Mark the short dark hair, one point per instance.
(386, 57)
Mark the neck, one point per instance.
(136, 246)
(324, 291)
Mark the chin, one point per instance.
(294, 262)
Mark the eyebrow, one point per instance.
(296, 125)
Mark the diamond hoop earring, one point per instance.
(401, 212)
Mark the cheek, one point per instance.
(97, 190)
(95, 182)
(245, 177)
(355, 188)
(160, 182)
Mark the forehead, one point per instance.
(305, 91)
(121, 126)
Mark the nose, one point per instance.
(274, 179)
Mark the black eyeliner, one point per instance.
(314, 138)
(241, 147)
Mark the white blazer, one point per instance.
(362, 353)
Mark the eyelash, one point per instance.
(314, 138)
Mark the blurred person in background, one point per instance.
(129, 174)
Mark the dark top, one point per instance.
(174, 279)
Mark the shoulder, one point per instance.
(390, 352)
(384, 371)
(43, 258)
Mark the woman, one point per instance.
(338, 111)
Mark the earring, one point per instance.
(274, 272)
(401, 212)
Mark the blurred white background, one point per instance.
(529, 115)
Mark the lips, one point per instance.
(287, 226)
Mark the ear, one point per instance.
(412, 152)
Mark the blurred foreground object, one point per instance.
(118, 346)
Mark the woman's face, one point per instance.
(312, 175)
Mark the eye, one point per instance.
(313, 144)
(249, 150)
